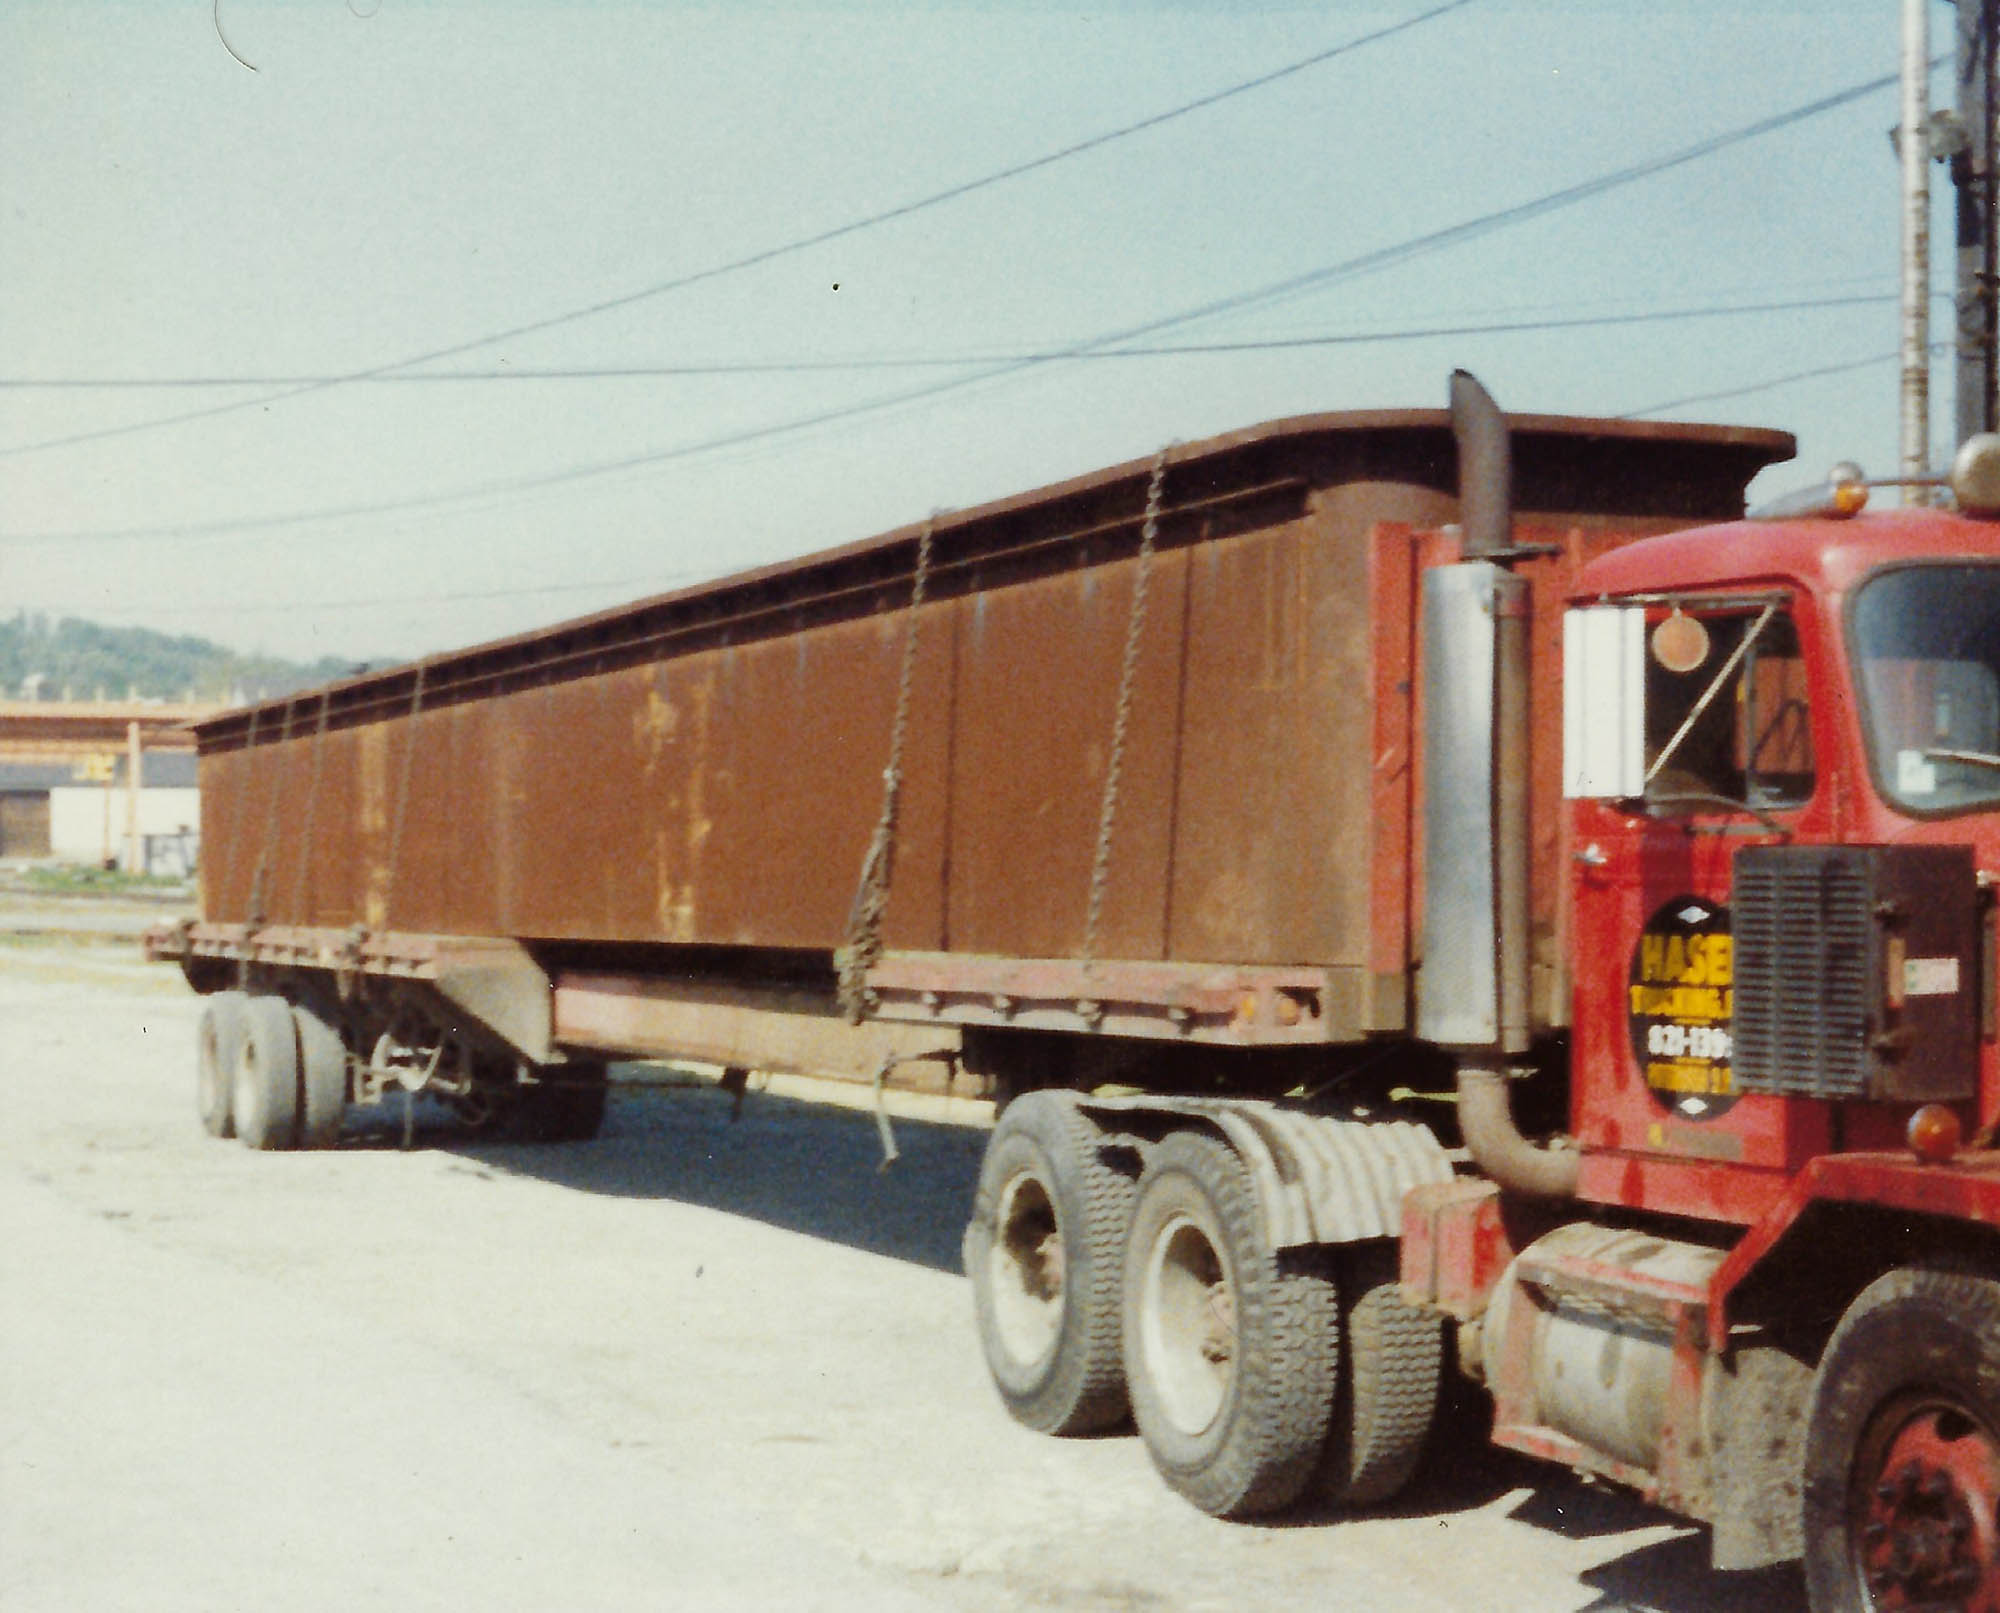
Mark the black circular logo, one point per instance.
(1680, 1004)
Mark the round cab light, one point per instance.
(1934, 1133)
(1975, 475)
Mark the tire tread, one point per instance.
(1267, 1441)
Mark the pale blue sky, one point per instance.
(387, 185)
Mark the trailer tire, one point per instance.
(1902, 1458)
(218, 1045)
(565, 1105)
(322, 1079)
(1391, 1366)
(265, 1095)
(1043, 1252)
(1232, 1350)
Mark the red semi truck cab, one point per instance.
(1762, 1289)
(1783, 755)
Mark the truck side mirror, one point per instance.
(1604, 705)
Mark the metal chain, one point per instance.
(1107, 816)
(403, 795)
(863, 945)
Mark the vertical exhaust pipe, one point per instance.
(1475, 985)
(1485, 469)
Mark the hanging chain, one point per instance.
(403, 795)
(1107, 816)
(863, 945)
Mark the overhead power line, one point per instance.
(1362, 263)
(950, 193)
(628, 372)
(1813, 374)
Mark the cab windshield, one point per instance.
(1926, 643)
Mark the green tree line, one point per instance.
(79, 660)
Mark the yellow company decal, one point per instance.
(1680, 1000)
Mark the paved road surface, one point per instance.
(694, 1364)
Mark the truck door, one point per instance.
(1722, 749)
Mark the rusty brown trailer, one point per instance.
(683, 789)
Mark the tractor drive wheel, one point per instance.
(218, 1044)
(322, 1079)
(265, 1096)
(1042, 1251)
(1902, 1464)
(1391, 1366)
(565, 1104)
(1232, 1351)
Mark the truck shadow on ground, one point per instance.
(1464, 1472)
(817, 1170)
(808, 1168)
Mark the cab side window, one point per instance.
(1727, 716)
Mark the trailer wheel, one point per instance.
(1390, 1371)
(565, 1105)
(1232, 1352)
(1902, 1463)
(218, 1044)
(322, 1079)
(265, 1095)
(1042, 1251)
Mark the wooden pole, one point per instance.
(135, 851)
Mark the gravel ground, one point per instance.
(696, 1363)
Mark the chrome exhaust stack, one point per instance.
(1473, 989)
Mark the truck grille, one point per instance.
(1856, 971)
(1802, 947)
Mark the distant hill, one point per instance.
(79, 660)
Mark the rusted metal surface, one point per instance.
(1228, 1006)
(787, 1031)
(491, 979)
(705, 768)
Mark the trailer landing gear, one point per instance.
(1902, 1493)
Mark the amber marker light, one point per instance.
(1934, 1134)
(1847, 489)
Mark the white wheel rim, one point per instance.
(1188, 1324)
(1024, 1269)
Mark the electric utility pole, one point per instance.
(1972, 172)
(1913, 149)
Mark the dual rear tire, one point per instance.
(270, 1074)
(1256, 1376)
(1232, 1353)
(1043, 1250)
